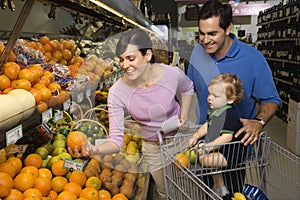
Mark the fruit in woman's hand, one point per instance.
(76, 139)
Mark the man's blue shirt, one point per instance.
(245, 62)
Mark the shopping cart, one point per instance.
(270, 169)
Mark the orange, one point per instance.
(76, 138)
(14, 195)
(66, 54)
(11, 70)
(58, 183)
(52, 195)
(34, 171)
(74, 188)
(23, 181)
(44, 80)
(26, 74)
(8, 168)
(6, 183)
(66, 195)
(32, 193)
(16, 163)
(119, 196)
(57, 55)
(54, 87)
(58, 168)
(39, 69)
(12, 57)
(46, 94)
(78, 177)
(93, 181)
(4, 82)
(44, 40)
(104, 194)
(43, 185)
(48, 47)
(36, 94)
(89, 193)
(33, 159)
(182, 159)
(49, 75)
(39, 85)
(35, 74)
(45, 173)
(23, 84)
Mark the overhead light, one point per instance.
(106, 7)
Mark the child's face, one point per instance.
(216, 96)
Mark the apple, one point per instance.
(192, 154)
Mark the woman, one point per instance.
(147, 90)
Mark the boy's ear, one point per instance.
(231, 100)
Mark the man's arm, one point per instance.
(252, 127)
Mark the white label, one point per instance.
(58, 115)
(14, 134)
(73, 165)
(47, 115)
(66, 104)
(17, 149)
(72, 107)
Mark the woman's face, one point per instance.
(133, 62)
(216, 96)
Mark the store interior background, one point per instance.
(39, 22)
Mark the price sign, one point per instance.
(47, 115)
(80, 97)
(66, 104)
(73, 165)
(14, 134)
(17, 149)
(58, 115)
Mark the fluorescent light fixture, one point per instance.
(106, 7)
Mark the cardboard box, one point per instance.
(293, 141)
(294, 116)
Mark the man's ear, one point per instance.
(228, 29)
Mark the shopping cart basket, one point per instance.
(265, 165)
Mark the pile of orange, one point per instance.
(27, 179)
(39, 82)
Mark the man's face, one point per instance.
(213, 37)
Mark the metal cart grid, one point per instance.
(271, 168)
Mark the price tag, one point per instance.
(14, 134)
(47, 115)
(17, 149)
(58, 115)
(101, 85)
(66, 104)
(88, 92)
(73, 165)
(80, 97)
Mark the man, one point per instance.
(228, 54)
(219, 51)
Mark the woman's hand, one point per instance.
(85, 150)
